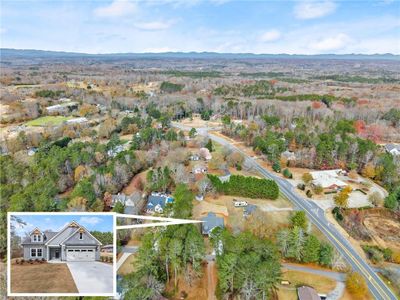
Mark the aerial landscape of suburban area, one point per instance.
(282, 169)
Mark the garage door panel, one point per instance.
(80, 254)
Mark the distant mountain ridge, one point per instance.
(30, 53)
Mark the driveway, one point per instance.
(92, 277)
(126, 252)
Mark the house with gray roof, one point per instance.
(72, 243)
(210, 222)
(157, 202)
(133, 203)
(249, 210)
(393, 149)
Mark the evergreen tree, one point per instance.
(311, 249)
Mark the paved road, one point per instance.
(126, 252)
(377, 287)
(330, 274)
(92, 276)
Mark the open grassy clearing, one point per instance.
(321, 283)
(42, 278)
(47, 120)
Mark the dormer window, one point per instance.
(80, 235)
(39, 237)
(35, 238)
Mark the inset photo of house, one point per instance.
(61, 254)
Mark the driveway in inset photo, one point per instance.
(92, 277)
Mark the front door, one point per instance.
(57, 254)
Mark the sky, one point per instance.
(275, 26)
(57, 222)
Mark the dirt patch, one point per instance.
(198, 289)
(127, 267)
(199, 123)
(202, 208)
(385, 232)
(136, 184)
(42, 278)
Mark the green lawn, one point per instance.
(47, 120)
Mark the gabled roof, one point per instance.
(47, 235)
(210, 222)
(71, 224)
(34, 230)
(307, 293)
(80, 229)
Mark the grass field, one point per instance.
(47, 120)
(321, 284)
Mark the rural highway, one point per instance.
(316, 215)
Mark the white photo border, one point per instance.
(113, 294)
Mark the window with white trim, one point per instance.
(35, 238)
(80, 235)
(39, 252)
(33, 252)
(39, 237)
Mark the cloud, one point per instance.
(118, 8)
(270, 36)
(332, 43)
(156, 25)
(89, 220)
(313, 9)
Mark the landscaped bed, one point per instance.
(41, 278)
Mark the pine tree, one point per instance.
(311, 249)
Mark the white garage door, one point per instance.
(80, 255)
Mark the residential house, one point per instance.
(199, 169)
(393, 149)
(115, 151)
(210, 222)
(32, 151)
(133, 204)
(249, 210)
(118, 149)
(328, 179)
(199, 197)
(194, 157)
(157, 202)
(107, 248)
(205, 153)
(288, 155)
(72, 243)
(62, 108)
(74, 121)
(226, 176)
(307, 293)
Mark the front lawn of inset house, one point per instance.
(41, 278)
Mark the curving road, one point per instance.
(316, 215)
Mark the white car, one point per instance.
(240, 203)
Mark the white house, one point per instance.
(328, 179)
(80, 120)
